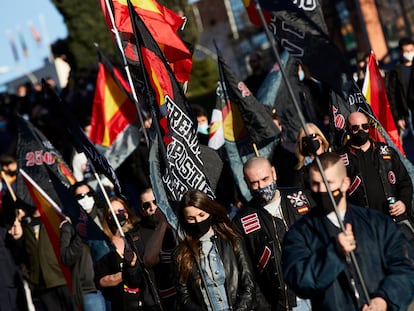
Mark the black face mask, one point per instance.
(151, 220)
(198, 229)
(310, 147)
(12, 173)
(323, 201)
(121, 218)
(359, 138)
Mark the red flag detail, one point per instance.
(375, 93)
(51, 219)
(253, 14)
(112, 109)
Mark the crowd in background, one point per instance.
(229, 253)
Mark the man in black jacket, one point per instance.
(379, 179)
(263, 224)
(316, 251)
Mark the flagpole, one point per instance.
(107, 201)
(126, 67)
(148, 89)
(43, 193)
(318, 162)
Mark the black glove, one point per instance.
(128, 253)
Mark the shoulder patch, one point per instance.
(344, 158)
(299, 201)
(250, 223)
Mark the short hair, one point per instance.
(405, 41)
(254, 161)
(329, 159)
(199, 111)
(6, 159)
(81, 183)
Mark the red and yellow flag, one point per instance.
(113, 111)
(51, 219)
(163, 24)
(375, 93)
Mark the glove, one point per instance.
(128, 253)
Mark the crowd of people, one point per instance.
(335, 233)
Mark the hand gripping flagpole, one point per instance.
(318, 162)
(126, 67)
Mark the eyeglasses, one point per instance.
(82, 195)
(147, 204)
(356, 127)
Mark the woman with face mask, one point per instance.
(119, 273)
(307, 147)
(212, 269)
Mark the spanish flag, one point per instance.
(51, 215)
(163, 25)
(375, 93)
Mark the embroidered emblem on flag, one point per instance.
(250, 223)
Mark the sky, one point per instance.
(15, 21)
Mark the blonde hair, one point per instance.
(107, 215)
(299, 152)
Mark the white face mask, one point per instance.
(408, 56)
(87, 203)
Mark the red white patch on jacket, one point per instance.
(391, 178)
(250, 223)
(354, 185)
(264, 259)
(344, 158)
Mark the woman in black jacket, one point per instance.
(213, 271)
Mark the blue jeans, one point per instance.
(94, 302)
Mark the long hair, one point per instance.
(110, 230)
(299, 152)
(189, 248)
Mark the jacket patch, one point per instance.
(384, 151)
(250, 223)
(264, 259)
(299, 201)
(391, 177)
(344, 158)
(355, 184)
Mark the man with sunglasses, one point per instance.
(379, 179)
(159, 242)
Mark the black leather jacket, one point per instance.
(239, 280)
(263, 235)
(394, 177)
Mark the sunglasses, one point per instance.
(82, 195)
(147, 204)
(356, 127)
(313, 135)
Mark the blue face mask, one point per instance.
(301, 75)
(266, 194)
(203, 129)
